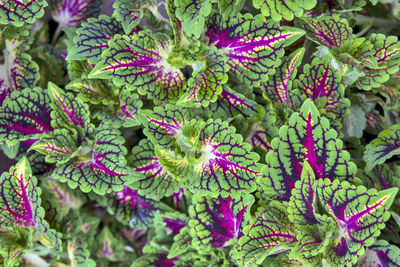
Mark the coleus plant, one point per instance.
(200, 133)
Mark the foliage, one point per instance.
(200, 133)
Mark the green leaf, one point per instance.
(382, 148)
(78, 253)
(226, 165)
(20, 12)
(308, 136)
(355, 123)
(69, 111)
(92, 38)
(330, 31)
(268, 233)
(163, 125)
(20, 204)
(155, 181)
(25, 115)
(360, 214)
(129, 13)
(387, 53)
(283, 9)
(253, 45)
(141, 62)
(278, 87)
(101, 168)
(58, 146)
(17, 70)
(207, 78)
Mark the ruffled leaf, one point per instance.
(308, 136)
(58, 146)
(69, 13)
(226, 165)
(163, 125)
(208, 76)
(18, 12)
(328, 31)
(92, 38)
(140, 62)
(25, 115)
(283, 9)
(253, 46)
(78, 253)
(268, 233)
(129, 13)
(69, 111)
(359, 214)
(319, 80)
(387, 53)
(382, 148)
(20, 204)
(217, 221)
(110, 247)
(278, 88)
(101, 168)
(155, 182)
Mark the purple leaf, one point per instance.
(92, 38)
(308, 136)
(155, 181)
(69, 13)
(216, 221)
(359, 214)
(18, 70)
(226, 165)
(253, 46)
(141, 62)
(25, 115)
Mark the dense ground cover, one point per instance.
(200, 133)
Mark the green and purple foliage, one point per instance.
(200, 133)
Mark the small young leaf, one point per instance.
(192, 14)
(205, 84)
(129, 13)
(163, 125)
